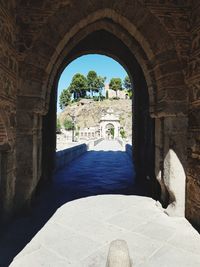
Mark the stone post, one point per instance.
(171, 158)
(118, 255)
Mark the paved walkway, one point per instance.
(104, 170)
(79, 233)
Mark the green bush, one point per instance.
(98, 98)
(95, 98)
(123, 133)
(112, 132)
(68, 124)
(58, 126)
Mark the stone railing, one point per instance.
(129, 150)
(96, 142)
(121, 142)
(93, 143)
(65, 156)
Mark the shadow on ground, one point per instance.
(94, 173)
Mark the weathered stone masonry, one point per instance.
(8, 94)
(193, 82)
(39, 37)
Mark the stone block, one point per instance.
(174, 180)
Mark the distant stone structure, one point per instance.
(120, 94)
(107, 123)
(89, 133)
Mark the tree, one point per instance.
(68, 124)
(91, 81)
(128, 86)
(100, 84)
(58, 126)
(78, 86)
(95, 83)
(127, 83)
(65, 98)
(115, 84)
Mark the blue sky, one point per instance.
(103, 65)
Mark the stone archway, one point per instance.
(110, 125)
(156, 61)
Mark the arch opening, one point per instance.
(42, 39)
(152, 99)
(110, 131)
(143, 124)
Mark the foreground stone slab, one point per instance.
(80, 233)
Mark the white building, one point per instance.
(120, 94)
(89, 133)
(108, 128)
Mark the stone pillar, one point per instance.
(8, 91)
(7, 182)
(143, 137)
(103, 131)
(116, 127)
(171, 159)
(115, 131)
(49, 139)
(29, 146)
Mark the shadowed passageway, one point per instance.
(79, 233)
(104, 170)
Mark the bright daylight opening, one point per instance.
(94, 102)
(94, 116)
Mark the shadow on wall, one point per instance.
(93, 173)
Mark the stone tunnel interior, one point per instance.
(157, 42)
(100, 37)
(163, 72)
(143, 124)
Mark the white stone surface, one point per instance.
(80, 232)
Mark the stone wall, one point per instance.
(171, 132)
(175, 16)
(8, 92)
(64, 157)
(193, 81)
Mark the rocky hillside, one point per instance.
(88, 112)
